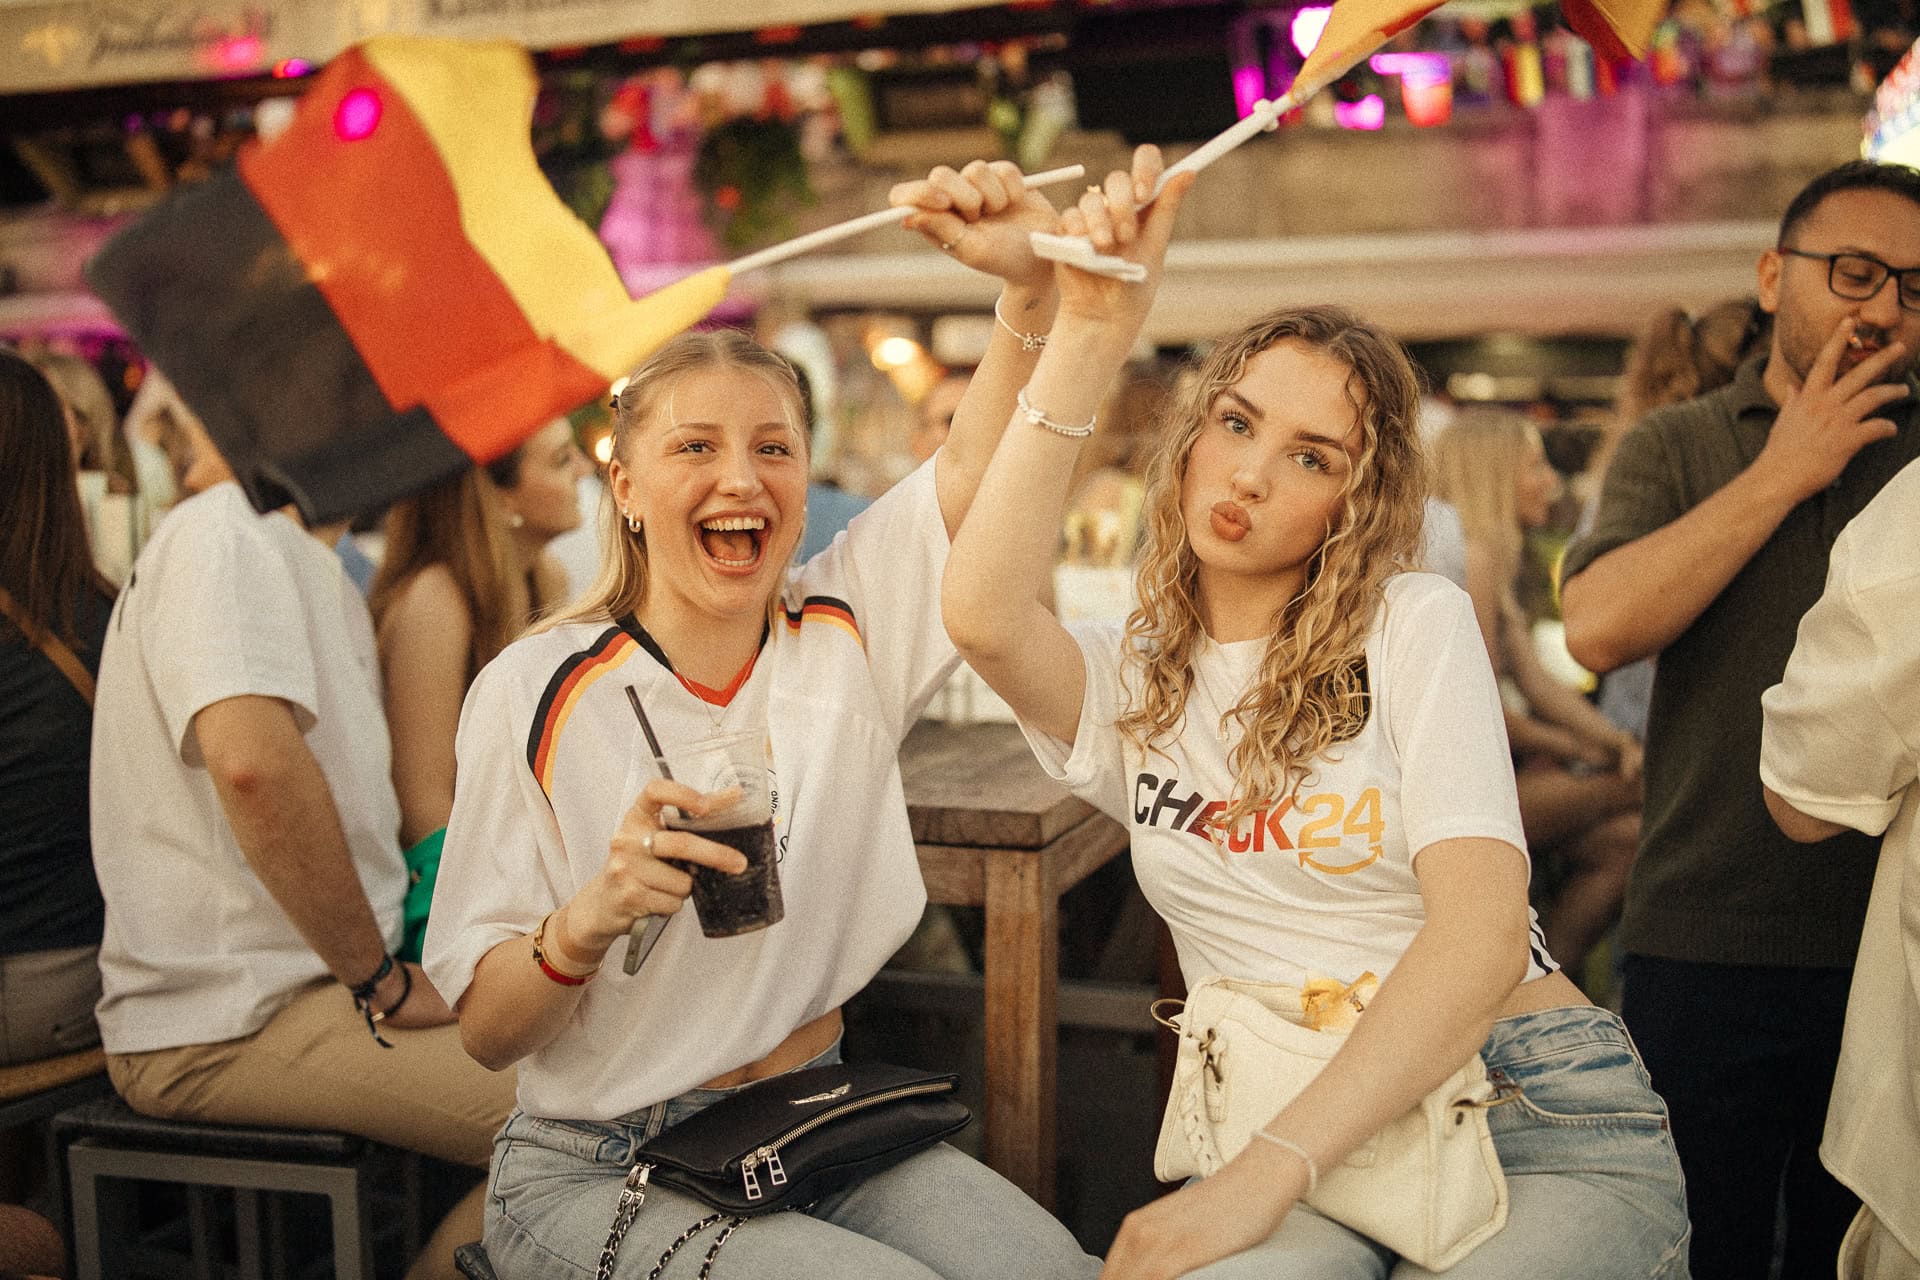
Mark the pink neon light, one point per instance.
(1368, 113)
(1414, 68)
(1249, 85)
(357, 116)
(1307, 27)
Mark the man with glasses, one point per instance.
(1715, 523)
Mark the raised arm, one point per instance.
(981, 217)
(1638, 598)
(1002, 556)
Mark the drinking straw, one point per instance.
(646, 930)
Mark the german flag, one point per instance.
(389, 290)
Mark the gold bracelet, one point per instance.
(1028, 341)
(547, 966)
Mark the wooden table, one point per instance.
(994, 831)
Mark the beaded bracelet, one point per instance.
(1288, 1144)
(547, 967)
(1028, 341)
(1039, 419)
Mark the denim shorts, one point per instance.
(938, 1215)
(1593, 1183)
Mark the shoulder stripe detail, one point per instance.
(581, 669)
(823, 609)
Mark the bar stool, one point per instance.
(108, 1144)
(34, 1091)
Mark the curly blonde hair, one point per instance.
(1311, 690)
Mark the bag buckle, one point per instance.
(1169, 1021)
(1210, 1058)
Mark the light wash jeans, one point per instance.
(938, 1215)
(1593, 1185)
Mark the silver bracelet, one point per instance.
(1028, 341)
(1288, 1144)
(1039, 419)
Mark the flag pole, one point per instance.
(869, 222)
(1264, 117)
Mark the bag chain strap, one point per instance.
(706, 1266)
(632, 1196)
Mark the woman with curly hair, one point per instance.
(1305, 740)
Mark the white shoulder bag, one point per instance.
(1428, 1186)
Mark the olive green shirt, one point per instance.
(1716, 881)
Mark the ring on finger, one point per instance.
(946, 246)
(646, 842)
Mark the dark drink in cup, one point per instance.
(731, 769)
(730, 905)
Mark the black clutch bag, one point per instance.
(784, 1142)
(793, 1138)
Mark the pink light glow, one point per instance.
(237, 53)
(1307, 26)
(1414, 68)
(1368, 113)
(357, 116)
(290, 68)
(1249, 85)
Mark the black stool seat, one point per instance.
(472, 1261)
(113, 1121)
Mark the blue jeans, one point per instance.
(938, 1215)
(1593, 1185)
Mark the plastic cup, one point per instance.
(730, 905)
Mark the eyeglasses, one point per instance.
(1858, 277)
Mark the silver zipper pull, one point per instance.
(776, 1172)
(748, 1178)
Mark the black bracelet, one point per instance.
(363, 998)
(406, 989)
(364, 991)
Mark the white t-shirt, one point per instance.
(551, 756)
(1322, 886)
(224, 602)
(1841, 742)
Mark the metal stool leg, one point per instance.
(246, 1234)
(201, 1233)
(352, 1242)
(103, 1220)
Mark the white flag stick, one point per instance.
(1078, 250)
(869, 222)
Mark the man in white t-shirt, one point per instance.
(1841, 750)
(245, 835)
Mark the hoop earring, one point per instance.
(633, 521)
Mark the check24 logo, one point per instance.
(1329, 819)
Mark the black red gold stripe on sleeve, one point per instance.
(563, 692)
(823, 609)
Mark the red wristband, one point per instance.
(564, 979)
(547, 967)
